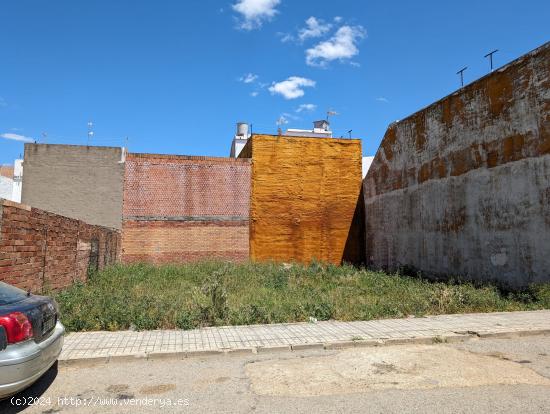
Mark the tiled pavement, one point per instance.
(257, 338)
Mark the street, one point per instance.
(480, 375)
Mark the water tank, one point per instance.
(242, 129)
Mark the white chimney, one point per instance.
(240, 139)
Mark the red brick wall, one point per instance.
(41, 250)
(180, 208)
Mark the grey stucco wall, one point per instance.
(75, 181)
(462, 188)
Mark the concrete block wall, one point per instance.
(462, 187)
(81, 182)
(40, 250)
(181, 208)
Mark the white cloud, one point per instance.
(382, 99)
(254, 94)
(338, 19)
(16, 137)
(255, 12)
(285, 37)
(341, 46)
(248, 78)
(314, 28)
(292, 87)
(306, 108)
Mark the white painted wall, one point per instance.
(367, 161)
(237, 146)
(17, 181)
(6, 187)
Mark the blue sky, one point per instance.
(175, 76)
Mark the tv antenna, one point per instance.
(461, 73)
(490, 56)
(330, 113)
(44, 136)
(349, 133)
(90, 131)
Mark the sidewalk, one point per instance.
(178, 344)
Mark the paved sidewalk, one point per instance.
(106, 346)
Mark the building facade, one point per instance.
(304, 199)
(81, 182)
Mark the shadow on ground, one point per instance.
(30, 396)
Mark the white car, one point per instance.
(31, 338)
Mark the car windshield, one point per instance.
(10, 294)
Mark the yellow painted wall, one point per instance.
(303, 198)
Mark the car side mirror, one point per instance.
(3, 339)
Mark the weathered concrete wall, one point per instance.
(80, 182)
(41, 250)
(181, 208)
(305, 194)
(462, 188)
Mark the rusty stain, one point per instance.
(460, 162)
(388, 142)
(420, 130)
(424, 173)
(499, 88)
(446, 113)
(512, 147)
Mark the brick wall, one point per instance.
(40, 250)
(462, 187)
(183, 208)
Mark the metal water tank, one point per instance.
(242, 129)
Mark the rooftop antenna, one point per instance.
(281, 121)
(330, 113)
(461, 72)
(490, 56)
(90, 131)
(44, 136)
(349, 133)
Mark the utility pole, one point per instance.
(461, 73)
(490, 56)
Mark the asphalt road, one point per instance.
(481, 376)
